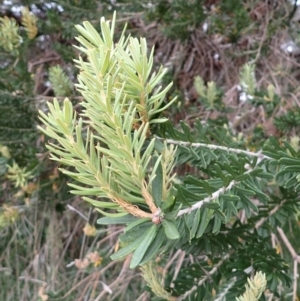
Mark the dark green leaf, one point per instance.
(166, 204)
(143, 246)
(187, 131)
(211, 205)
(135, 232)
(289, 161)
(184, 194)
(157, 185)
(219, 172)
(172, 215)
(231, 210)
(230, 197)
(295, 168)
(196, 220)
(127, 249)
(217, 224)
(159, 239)
(136, 223)
(170, 229)
(242, 177)
(205, 218)
(221, 215)
(244, 191)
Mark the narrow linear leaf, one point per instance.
(217, 224)
(127, 249)
(114, 221)
(143, 246)
(136, 223)
(195, 224)
(101, 204)
(112, 215)
(221, 215)
(157, 185)
(132, 234)
(211, 205)
(152, 251)
(205, 218)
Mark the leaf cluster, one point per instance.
(108, 146)
(60, 82)
(288, 121)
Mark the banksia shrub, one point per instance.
(123, 153)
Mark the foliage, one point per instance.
(288, 121)
(60, 82)
(202, 204)
(211, 98)
(10, 39)
(255, 288)
(188, 15)
(121, 102)
(122, 158)
(29, 21)
(224, 17)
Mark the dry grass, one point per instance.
(44, 256)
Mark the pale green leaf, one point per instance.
(125, 219)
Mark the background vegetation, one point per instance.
(51, 247)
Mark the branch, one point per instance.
(288, 245)
(222, 295)
(259, 154)
(78, 212)
(214, 196)
(296, 258)
(263, 38)
(203, 279)
(295, 280)
(217, 193)
(273, 211)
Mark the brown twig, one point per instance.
(289, 246)
(78, 212)
(296, 258)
